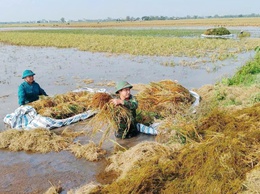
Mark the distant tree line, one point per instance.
(143, 18)
(195, 17)
(150, 18)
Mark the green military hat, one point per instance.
(27, 73)
(121, 85)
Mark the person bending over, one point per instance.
(124, 98)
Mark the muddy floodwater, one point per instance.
(62, 70)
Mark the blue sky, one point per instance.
(32, 10)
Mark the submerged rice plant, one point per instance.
(133, 45)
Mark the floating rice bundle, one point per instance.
(71, 133)
(37, 140)
(90, 151)
(217, 31)
(164, 98)
(63, 105)
(88, 81)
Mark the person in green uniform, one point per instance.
(126, 99)
(29, 90)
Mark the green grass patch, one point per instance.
(247, 74)
(244, 34)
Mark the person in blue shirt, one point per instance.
(29, 90)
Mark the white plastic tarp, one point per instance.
(26, 117)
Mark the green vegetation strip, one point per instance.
(135, 45)
(126, 32)
(247, 74)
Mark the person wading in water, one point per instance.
(29, 90)
(124, 98)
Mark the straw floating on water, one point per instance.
(36, 140)
(90, 151)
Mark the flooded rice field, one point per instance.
(62, 70)
(254, 31)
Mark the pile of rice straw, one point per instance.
(90, 151)
(37, 140)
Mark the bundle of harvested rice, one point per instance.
(123, 162)
(99, 100)
(37, 140)
(90, 151)
(108, 119)
(63, 105)
(141, 168)
(228, 149)
(163, 98)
